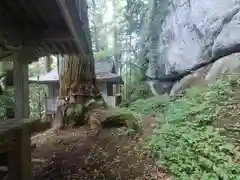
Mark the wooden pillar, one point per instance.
(21, 89)
(19, 162)
(20, 156)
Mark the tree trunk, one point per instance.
(48, 63)
(115, 38)
(77, 82)
(77, 86)
(95, 35)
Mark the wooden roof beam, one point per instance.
(30, 12)
(56, 49)
(15, 10)
(70, 22)
(71, 46)
(37, 5)
(47, 47)
(57, 35)
(63, 47)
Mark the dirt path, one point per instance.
(80, 154)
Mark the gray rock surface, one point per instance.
(199, 29)
(157, 87)
(228, 40)
(227, 64)
(196, 79)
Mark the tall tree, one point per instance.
(48, 63)
(150, 37)
(98, 26)
(77, 82)
(115, 37)
(95, 30)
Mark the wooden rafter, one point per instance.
(53, 26)
(30, 11)
(70, 23)
(63, 47)
(71, 45)
(39, 7)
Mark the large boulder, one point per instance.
(197, 30)
(228, 64)
(228, 39)
(196, 79)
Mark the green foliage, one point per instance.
(76, 114)
(153, 106)
(36, 100)
(134, 14)
(140, 90)
(191, 152)
(6, 101)
(103, 54)
(130, 118)
(187, 145)
(133, 87)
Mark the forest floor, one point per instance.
(78, 154)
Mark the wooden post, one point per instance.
(21, 89)
(114, 94)
(19, 161)
(26, 111)
(20, 156)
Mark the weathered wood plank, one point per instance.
(11, 125)
(16, 142)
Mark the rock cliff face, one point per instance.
(199, 29)
(196, 30)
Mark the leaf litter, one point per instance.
(84, 154)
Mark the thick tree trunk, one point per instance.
(48, 64)
(77, 82)
(77, 85)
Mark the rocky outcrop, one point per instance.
(194, 31)
(228, 40)
(229, 64)
(197, 30)
(196, 79)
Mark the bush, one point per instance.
(6, 101)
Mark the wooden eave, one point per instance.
(43, 27)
